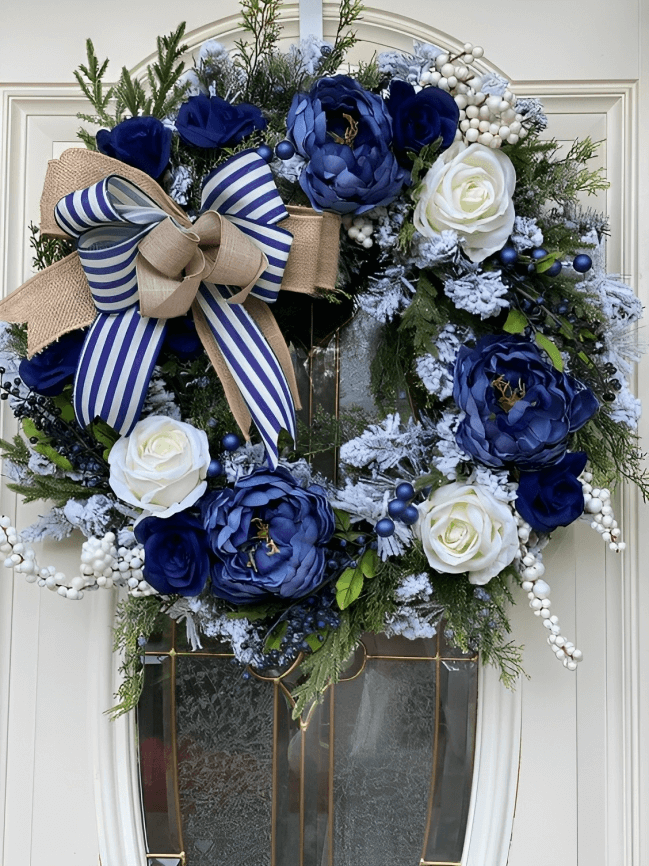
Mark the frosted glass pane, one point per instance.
(225, 763)
(157, 763)
(384, 736)
(454, 771)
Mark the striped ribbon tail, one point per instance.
(110, 219)
(115, 368)
(253, 365)
(243, 189)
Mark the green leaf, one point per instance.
(349, 586)
(30, 431)
(369, 563)
(343, 520)
(314, 643)
(516, 322)
(274, 639)
(551, 349)
(546, 262)
(104, 434)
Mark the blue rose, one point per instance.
(206, 121)
(175, 552)
(268, 536)
(52, 369)
(143, 142)
(420, 118)
(345, 133)
(519, 409)
(552, 496)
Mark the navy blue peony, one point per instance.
(519, 409)
(52, 369)
(209, 121)
(420, 118)
(345, 133)
(175, 550)
(267, 537)
(552, 496)
(143, 142)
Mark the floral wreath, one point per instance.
(156, 389)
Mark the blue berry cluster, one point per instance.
(400, 508)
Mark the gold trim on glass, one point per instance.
(280, 687)
(431, 793)
(181, 855)
(174, 741)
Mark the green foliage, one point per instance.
(368, 75)
(613, 452)
(47, 250)
(90, 78)
(135, 619)
(426, 316)
(199, 395)
(16, 450)
(472, 624)
(52, 487)
(543, 176)
(129, 97)
(260, 18)
(350, 583)
(326, 432)
(350, 11)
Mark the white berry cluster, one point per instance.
(538, 592)
(487, 119)
(359, 229)
(597, 503)
(102, 565)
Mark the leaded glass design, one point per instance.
(378, 774)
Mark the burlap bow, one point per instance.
(175, 263)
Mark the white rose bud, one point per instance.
(464, 528)
(469, 190)
(161, 467)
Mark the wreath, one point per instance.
(156, 389)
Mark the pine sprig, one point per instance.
(163, 75)
(260, 18)
(52, 487)
(350, 12)
(134, 621)
(90, 79)
(47, 250)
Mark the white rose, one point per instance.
(161, 467)
(463, 527)
(469, 189)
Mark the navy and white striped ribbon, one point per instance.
(243, 189)
(110, 218)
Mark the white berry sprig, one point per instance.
(538, 592)
(487, 119)
(597, 506)
(102, 565)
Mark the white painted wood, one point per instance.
(584, 762)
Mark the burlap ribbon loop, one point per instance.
(173, 261)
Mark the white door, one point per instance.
(584, 775)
